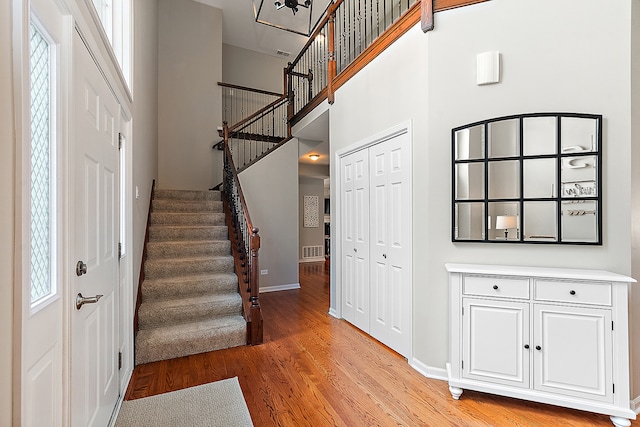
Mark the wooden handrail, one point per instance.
(258, 113)
(330, 11)
(227, 151)
(409, 18)
(249, 89)
(251, 305)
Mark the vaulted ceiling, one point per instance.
(240, 28)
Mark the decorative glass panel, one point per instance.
(470, 181)
(539, 178)
(540, 135)
(504, 137)
(40, 263)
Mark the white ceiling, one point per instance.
(239, 26)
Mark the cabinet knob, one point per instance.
(538, 347)
(495, 287)
(572, 292)
(526, 346)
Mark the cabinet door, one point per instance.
(494, 336)
(572, 351)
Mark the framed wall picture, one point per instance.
(311, 212)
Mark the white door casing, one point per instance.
(374, 261)
(94, 241)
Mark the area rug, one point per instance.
(210, 405)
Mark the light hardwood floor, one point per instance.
(315, 370)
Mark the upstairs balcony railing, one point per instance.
(348, 29)
(351, 35)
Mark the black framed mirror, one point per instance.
(528, 178)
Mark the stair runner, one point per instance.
(190, 301)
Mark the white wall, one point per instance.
(189, 98)
(547, 67)
(145, 121)
(558, 64)
(309, 236)
(7, 170)
(271, 190)
(239, 67)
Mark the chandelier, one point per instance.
(304, 16)
(292, 4)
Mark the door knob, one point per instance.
(80, 300)
(81, 268)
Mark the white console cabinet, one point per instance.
(550, 335)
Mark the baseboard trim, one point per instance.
(277, 288)
(315, 259)
(635, 405)
(429, 371)
(333, 313)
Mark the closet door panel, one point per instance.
(355, 239)
(390, 224)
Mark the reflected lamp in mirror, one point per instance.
(505, 222)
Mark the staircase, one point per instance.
(190, 300)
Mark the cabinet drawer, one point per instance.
(502, 287)
(596, 293)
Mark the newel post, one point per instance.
(256, 314)
(290, 96)
(332, 55)
(426, 15)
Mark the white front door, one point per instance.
(94, 242)
(390, 247)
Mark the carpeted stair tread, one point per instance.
(181, 340)
(187, 218)
(188, 248)
(186, 310)
(168, 205)
(172, 267)
(188, 286)
(190, 300)
(187, 195)
(174, 232)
